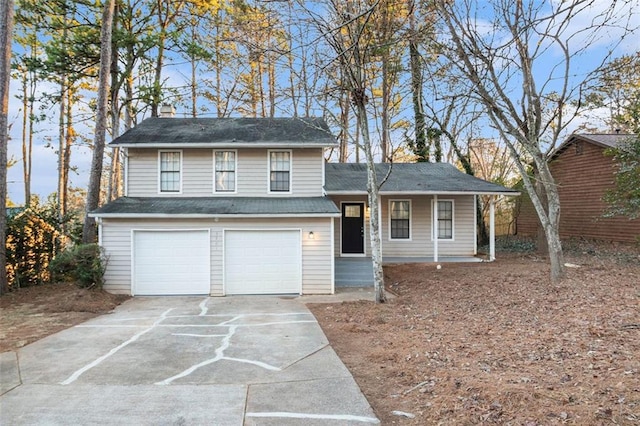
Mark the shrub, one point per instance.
(83, 264)
(31, 244)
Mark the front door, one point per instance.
(353, 228)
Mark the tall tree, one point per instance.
(345, 34)
(6, 32)
(508, 71)
(617, 89)
(93, 193)
(28, 65)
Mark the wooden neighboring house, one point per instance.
(583, 173)
(224, 206)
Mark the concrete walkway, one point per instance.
(251, 360)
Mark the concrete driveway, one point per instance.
(185, 361)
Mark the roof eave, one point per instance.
(208, 215)
(225, 144)
(511, 193)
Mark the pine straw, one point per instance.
(497, 343)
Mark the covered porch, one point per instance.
(358, 271)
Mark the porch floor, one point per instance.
(358, 271)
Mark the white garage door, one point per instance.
(262, 262)
(171, 262)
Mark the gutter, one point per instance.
(510, 193)
(208, 215)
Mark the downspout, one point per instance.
(99, 222)
(333, 256)
(125, 152)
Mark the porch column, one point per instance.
(380, 228)
(435, 228)
(492, 229)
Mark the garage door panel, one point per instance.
(262, 262)
(171, 262)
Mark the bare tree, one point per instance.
(93, 192)
(345, 33)
(516, 57)
(6, 31)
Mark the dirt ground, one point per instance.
(496, 343)
(31, 313)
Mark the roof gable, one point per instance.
(603, 140)
(236, 132)
(427, 178)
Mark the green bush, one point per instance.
(83, 264)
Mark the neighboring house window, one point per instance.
(170, 162)
(280, 171)
(225, 178)
(400, 214)
(445, 220)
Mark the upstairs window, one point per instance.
(280, 171)
(445, 220)
(170, 173)
(400, 214)
(225, 171)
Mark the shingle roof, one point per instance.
(218, 206)
(610, 140)
(271, 132)
(440, 178)
(604, 140)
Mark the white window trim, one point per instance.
(269, 191)
(169, 193)
(235, 171)
(453, 220)
(410, 221)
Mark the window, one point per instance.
(170, 162)
(445, 220)
(279, 171)
(225, 171)
(400, 214)
(352, 210)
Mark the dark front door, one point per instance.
(353, 228)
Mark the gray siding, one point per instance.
(420, 244)
(142, 172)
(252, 173)
(317, 255)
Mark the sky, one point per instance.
(44, 173)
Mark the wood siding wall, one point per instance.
(420, 244)
(252, 178)
(583, 174)
(317, 255)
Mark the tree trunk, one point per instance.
(374, 211)
(25, 157)
(93, 192)
(385, 120)
(66, 159)
(61, 145)
(420, 142)
(6, 33)
(345, 107)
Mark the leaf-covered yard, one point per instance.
(496, 343)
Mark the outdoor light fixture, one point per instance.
(311, 236)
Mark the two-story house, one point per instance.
(249, 206)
